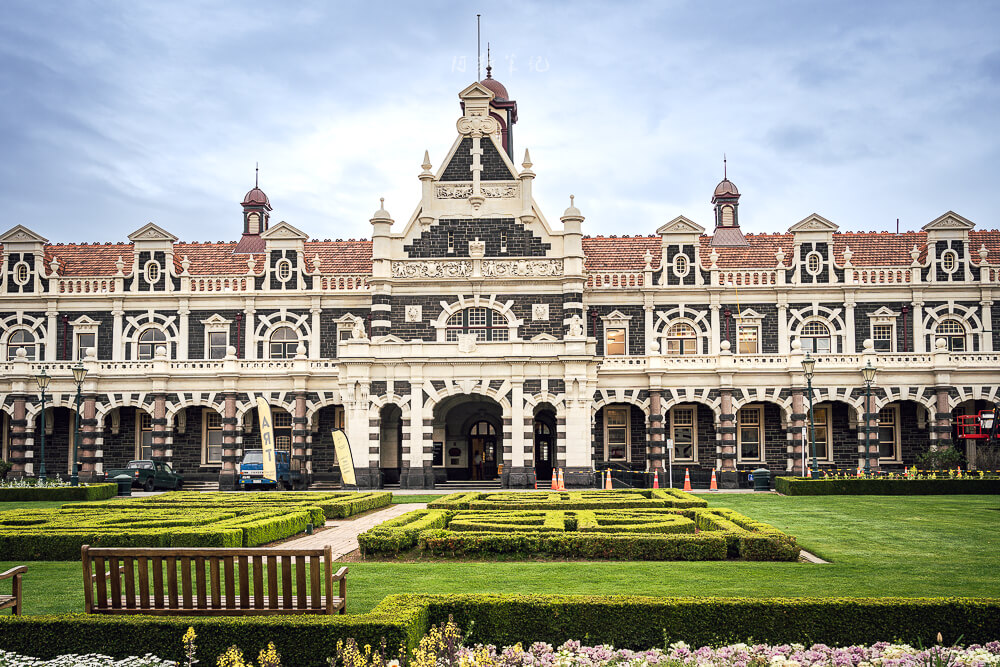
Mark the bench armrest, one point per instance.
(15, 571)
(341, 573)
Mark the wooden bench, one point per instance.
(14, 599)
(236, 582)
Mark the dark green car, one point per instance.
(149, 475)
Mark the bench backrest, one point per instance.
(201, 579)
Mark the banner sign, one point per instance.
(343, 449)
(267, 439)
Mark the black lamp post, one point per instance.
(43, 382)
(808, 366)
(79, 373)
(868, 372)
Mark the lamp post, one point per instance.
(43, 382)
(808, 366)
(79, 373)
(868, 372)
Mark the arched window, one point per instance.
(485, 323)
(949, 261)
(149, 340)
(815, 338)
(283, 343)
(814, 263)
(953, 333)
(284, 270)
(682, 339)
(21, 338)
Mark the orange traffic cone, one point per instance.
(687, 480)
(858, 473)
(607, 481)
(536, 483)
(656, 479)
(554, 483)
(959, 471)
(809, 473)
(562, 480)
(713, 485)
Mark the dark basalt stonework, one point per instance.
(494, 168)
(520, 241)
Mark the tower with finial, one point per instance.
(726, 200)
(502, 108)
(256, 217)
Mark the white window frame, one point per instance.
(215, 324)
(284, 344)
(810, 256)
(694, 432)
(34, 354)
(494, 321)
(829, 336)
(896, 444)
(141, 414)
(892, 336)
(759, 410)
(83, 325)
(154, 265)
(827, 430)
(18, 268)
(205, 460)
(627, 409)
(283, 264)
(948, 337)
(681, 265)
(954, 261)
(739, 341)
(164, 343)
(665, 350)
(616, 320)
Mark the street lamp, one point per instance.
(43, 382)
(868, 372)
(79, 373)
(808, 366)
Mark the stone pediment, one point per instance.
(544, 338)
(84, 321)
(215, 319)
(21, 234)
(950, 221)
(616, 316)
(152, 232)
(476, 91)
(814, 223)
(681, 225)
(284, 232)
(388, 339)
(750, 316)
(883, 315)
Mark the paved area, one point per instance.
(342, 534)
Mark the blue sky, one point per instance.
(120, 113)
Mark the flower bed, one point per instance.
(178, 519)
(535, 527)
(924, 484)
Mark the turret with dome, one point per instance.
(726, 200)
(256, 217)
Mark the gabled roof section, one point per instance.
(950, 221)
(681, 225)
(151, 232)
(21, 234)
(625, 253)
(813, 223)
(284, 231)
(476, 92)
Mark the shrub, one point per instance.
(92, 492)
(400, 534)
(801, 486)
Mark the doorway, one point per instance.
(544, 445)
(483, 451)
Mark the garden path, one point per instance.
(342, 534)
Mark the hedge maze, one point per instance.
(177, 519)
(663, 524)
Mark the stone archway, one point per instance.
(468, 438)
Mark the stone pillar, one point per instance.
(88, 451)
(870, 417)
(919, 344)
(850, 339)
(987, 318)
(942, 418)
(727, 449)
(577, 456)
(18, 435)
(117, 344)
(716, 331)
(784, 346)
(183, 313)
(796, 443)
(516, 471)
(227, 475)
(299, 433)
(656, 436)
(160, 432)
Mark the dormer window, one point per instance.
(814, 263)
(949, 261)
(21, 273)
(284, 268)
(152, 272)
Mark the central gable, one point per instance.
(501, 236)
(460, 166)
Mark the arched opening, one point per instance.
(18, 339)
(148, 341)
(283, 343)
(390, 443)
(815, 338)
(620, 437)
(544, 433)
(954, 334)
(468, 429)
(903, 433)
(681, 339)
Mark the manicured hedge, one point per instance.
(703, 546)
(569, 500)
(400, 534)
(644, 622)
(303, 640)
(32, 493)
(801, 486)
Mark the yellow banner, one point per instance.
(343, 448)
(267, 439)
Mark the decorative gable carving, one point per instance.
(616, 316)
(21, 234)
(883, 315)
(84, 322)
(151, 232)
(681, 225)
(544, 338)
(216, 320)
(284, 231)
(750, 316)
(813, 223)
(950, 221)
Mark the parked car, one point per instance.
(252, 471)
(150, 475)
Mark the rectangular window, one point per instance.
(749, 336)
(882, 337)
(217, 344)
(503, 241)
(212, 440)
(85, 341)
(821, 422)
(282, 422)
(682, 346)
(682, 431)
(451, 241)
(614, 342)
(750, 433)
(616, 434)
(144, 436)
(887, 434)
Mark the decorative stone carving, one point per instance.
(467, 343)
(414, 313)
(358, 330)
(499, 191)
(477, 248)
(576, 326)
(522, 268)
(540, 312)
(453, 191)
(477, 126)
(432, 269)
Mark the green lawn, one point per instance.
(879, 546)
(416, 498)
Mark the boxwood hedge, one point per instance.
(18, 494)
(801, 486)
(569, 500)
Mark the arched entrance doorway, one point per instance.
(544, 434)
(468, 438)
(390, 452)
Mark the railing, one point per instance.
(882, 276)
(221, 283)
(617, 363)
(615, 279)
(343, 283)
(748, 277)
(86, 285)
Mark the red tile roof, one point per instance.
(758, 254)
(89, 260)
(620, 253)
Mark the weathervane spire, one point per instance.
(489, 65)
(256, 174)
(725, 175)
(479, 50)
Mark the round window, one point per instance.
(284, 270)
(152, 271)
(949, 261)
(681, 265)
(814, 263)
(21, 273)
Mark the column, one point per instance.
(579, 462)
(942, 418)
(796, 443)
(159, 423)
(314, 333)
(18, 435)
(250, 340)
(51, 326)
(356, 428)
(517, 474)
(227, 475)
(299, 433)
(656, 435)
(727, 443)
(183, 313)
(987, 317)
(870, 417)
(919, 344)
(87, 454)
(117, 345)
(850, 338)
(716, 332)
(784, 346)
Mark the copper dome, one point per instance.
(499, 91)
(256, 197)
(726, 188)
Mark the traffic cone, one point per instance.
(687, 480)
(554, 482)
(607, 481)
(656, 479)
(536, 483)
(959, 471)
(809, 473)
(713, 485)
(562, 480)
